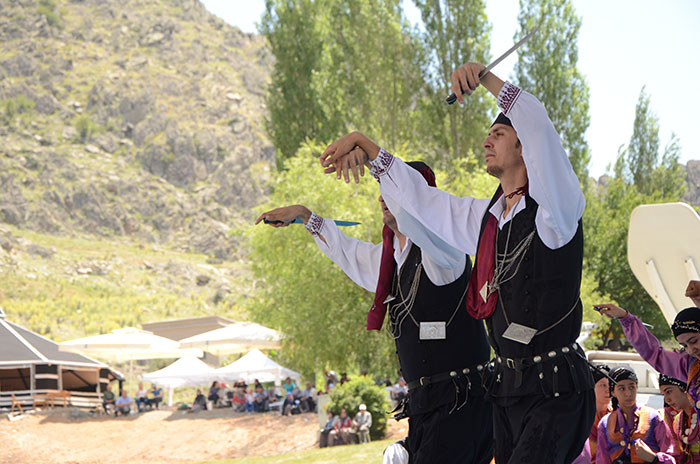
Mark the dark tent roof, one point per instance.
(22, 346)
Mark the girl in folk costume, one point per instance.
(602, 401)
(630, 433)
(684, 365)
(681, 418)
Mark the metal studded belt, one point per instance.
(437, 378)
(519, 364)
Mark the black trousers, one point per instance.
(464, 437)
(535, 429)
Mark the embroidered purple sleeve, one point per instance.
(315, 224)
(381, 164)
(507, 96)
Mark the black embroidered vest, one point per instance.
(545, 288)
(465, 344)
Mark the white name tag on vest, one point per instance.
(519, 333)
(433, 331)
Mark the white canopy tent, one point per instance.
(127, 344)
(238, 337)
(255, 365)
(187, 371)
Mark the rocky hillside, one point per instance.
(138, 118)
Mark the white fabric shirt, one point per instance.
(361, 260)
(456, 221)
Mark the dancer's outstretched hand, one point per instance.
(693, 291)
(610, 310)
(354, 161)
(466, 79)
(339, 149)
(282, 217)
(643, 451)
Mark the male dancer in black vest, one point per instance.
(528, 243)
(441, 349)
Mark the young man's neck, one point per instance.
(400, 236)
(510, 183)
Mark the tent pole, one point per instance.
(170, 396)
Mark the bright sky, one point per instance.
(623, 45)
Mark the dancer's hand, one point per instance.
(466, 79)
(693, 291)
(610, 310)
(350, 162)
(643, 451)
(339, 149)
(282, 217)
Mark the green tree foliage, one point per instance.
(85, 127)
(361, 390)
(455, 32)
(49, 10)
(546, 67)
(332, 75)
(639, 178)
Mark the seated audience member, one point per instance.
(223, 394)
(238, 401)
(141, 399)
(108, 399)
(326, 430)
(290, 405)
(123, 404)
(308, 401)
(261, 402)
(342, 433)
(249, 400)
(288, 385)
(214, 393)
(362, 424)
(155, 396)
(272, 395)
(399, 391)
(257, 384)
(344, 377)
(200, 402)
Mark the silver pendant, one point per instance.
(389, 298)
(519, 333)
(433, 330)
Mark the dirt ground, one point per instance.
(60, 436)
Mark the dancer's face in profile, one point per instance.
(691, 342)
(388, 218)
(675, 397)
(502, 150)
(626, 393)
(602, 391)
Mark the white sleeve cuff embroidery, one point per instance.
(507, 96)
(381, 164)
(315, 224)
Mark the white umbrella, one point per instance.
(238, 337)
(127, 344)
(255, 365)
(187, 371)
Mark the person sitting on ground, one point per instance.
(288, 385)
(342, 433)
(308, 403)
(290, 405)
(238, 401)
(141, 399)
(200, 402)
(344, 377)
(399, 391)
(256, 384)
(249, 400)
(155, 396)
(223, 394)
(261, 402)
(123, 404)
(214, 393)
(362, 423)
(323, 439)
(108, 399)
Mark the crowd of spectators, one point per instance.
(343, 430)
(123, 404)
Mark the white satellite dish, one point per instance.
(663, 250)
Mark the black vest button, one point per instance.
(526, 276)
(527, 292)
(527, 310)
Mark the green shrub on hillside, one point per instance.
(362, 390)
(85, 127)
(48, 9)
(17, 105)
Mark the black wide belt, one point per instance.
(520, 364)
(437, 378)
